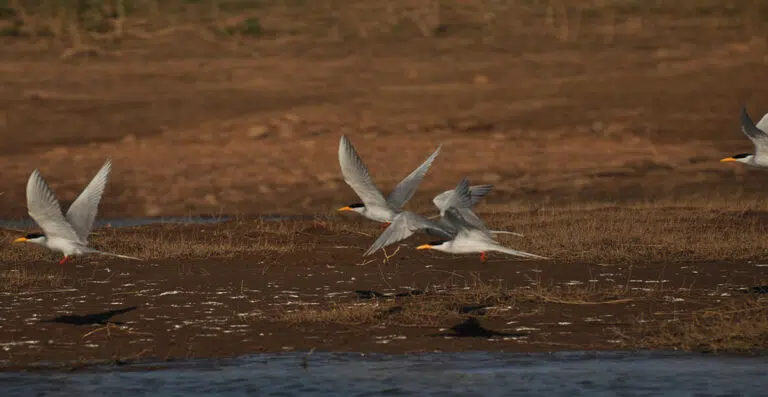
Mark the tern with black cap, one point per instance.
(460, 230)
(758, 134)
(68, 233)
(374, 206)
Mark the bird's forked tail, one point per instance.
(522, 254)
(93, 251)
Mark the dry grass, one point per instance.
(735, 327)
(689, 231)
(348, 314)
(449, 303)
(196, 241)
(22, 279)
(169, 241)
(664, 232)
(606, 21)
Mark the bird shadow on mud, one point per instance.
(90, 319)
(372, 294)
(471, 328)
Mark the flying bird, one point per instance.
(758, 134)
(374, 206)
(460, 229)
(68, 233)
(451, 198)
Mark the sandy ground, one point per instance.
(320, 293)
(252, 127)
(331, 299)
(638, 110)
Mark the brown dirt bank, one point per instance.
(304, 285)
(601, 101)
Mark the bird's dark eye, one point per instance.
(741, 156)
(356, 205)
(436, 243)
(33, 235)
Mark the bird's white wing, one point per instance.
(477, 192)
(357, 177)
(470, 218)
(757, 135)
(82, 212)
(44, 208)
(407, 187)
(454, 198)
(763, 123)
(464, 220)
(404, 225)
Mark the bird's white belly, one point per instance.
(379, 214)
(471, 242)
(759, 162)
(66, 247)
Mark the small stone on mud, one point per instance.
(480, 79)
(491, 177)
(258, 131)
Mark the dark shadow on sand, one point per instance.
(89, 319)
(471, 328)
(371, 294)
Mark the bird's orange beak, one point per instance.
(727, 160)
(424, 247)
(347, 208)
(20, 240)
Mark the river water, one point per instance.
(433, 374)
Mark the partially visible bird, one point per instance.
(450, 198)
(758, 134)
(68, 233)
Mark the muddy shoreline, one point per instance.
(326, 297)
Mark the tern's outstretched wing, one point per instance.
(463, 219)
(404, 225)
(477, 192)
(82, 212)
(449, 198)
(757, 135)
(357, 177)
(44, 208)
(407, 187)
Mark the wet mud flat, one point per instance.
(309, 288)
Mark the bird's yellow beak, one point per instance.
(727, 160)
(347, 208)
(20, 240)
(424, 247)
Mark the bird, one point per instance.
(67, 234)
(758, 134)
(374, 206)
(449, 198)
(460, 229)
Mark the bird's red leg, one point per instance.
(385, 225)
(482, 257)
(64, 260)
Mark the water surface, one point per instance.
(435, 374)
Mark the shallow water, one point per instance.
(433, 374)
